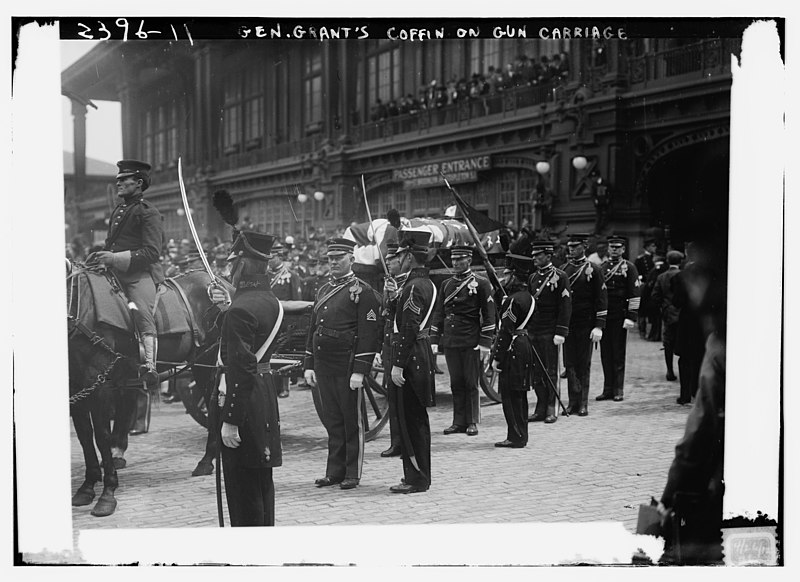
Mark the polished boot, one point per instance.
(472, 430)
(393, 451)
(147, 370)
(453, 429)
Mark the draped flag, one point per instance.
(479, 220)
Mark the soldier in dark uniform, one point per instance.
(465, 321)
(249, 408)
(547, 328)
(644, 263)
(132, 251)
(343, 339)
(412, 362)
(589, 310)
(663, 300)
(622, 283)
(286, 287)
(514, 359)
(391, 291)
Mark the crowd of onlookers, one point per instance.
(523, 72)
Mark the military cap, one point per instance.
(252, 245)
(617, 239)
(519, 263)
(136, 169)
(578, 238)
(414, 240)
(541, 246)
(340, 246)
(391, 249)
(457, 251)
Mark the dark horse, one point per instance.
(103, 363)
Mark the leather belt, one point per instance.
(336, 334)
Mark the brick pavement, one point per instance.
(593, 469)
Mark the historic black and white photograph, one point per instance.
(376, 276)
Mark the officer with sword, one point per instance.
(412, 361)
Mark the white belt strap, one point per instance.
(223, 388)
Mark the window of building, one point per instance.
(312, 88)
(232, 112)
(160, 135)
(385, 79)
(507, 198)
(483, 54)
(253, 109)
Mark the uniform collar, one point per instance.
(546, 269)
(253, 282)
(418, 272)
(402, 277)
(128, 200)
(342, 280)
(578, 262)
(464, 275)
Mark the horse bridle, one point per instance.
(96, 341)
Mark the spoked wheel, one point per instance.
(193, 398)
(488, 381)
(375, 406)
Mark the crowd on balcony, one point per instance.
(523, 72)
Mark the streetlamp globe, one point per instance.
(319, 195)
(302, 198)
(579, 162)
(543, 167)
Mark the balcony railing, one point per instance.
(700, 60)
(504, 103)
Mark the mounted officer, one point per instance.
(131, 252)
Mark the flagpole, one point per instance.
(490, 271)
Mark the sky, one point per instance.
(103, 125)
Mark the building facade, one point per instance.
(623, 136)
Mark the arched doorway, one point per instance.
(688, 190)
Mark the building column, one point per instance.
(79, 147)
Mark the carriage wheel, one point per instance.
(375, 405)
(193, 398)
(488, 381)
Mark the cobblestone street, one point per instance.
(597, 468)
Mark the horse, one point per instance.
(103, 355)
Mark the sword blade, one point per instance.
(188, 212)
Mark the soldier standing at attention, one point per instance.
(286, 286)
(249, 409)
(514, 359)
(644, 263)
(391, 291)
(622, 282)
(343, 339)
(465, 321)
(589, 310)
(412, 362)
(132, 251)
(547, 328)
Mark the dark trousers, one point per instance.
(415, 423)
(545, 395)
(391, 399)
(464, 365)
(250, 492)
(612, 356)
(689, 373)
(515, 409)
(578, 361)
(341, 417)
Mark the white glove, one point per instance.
(484, 351)
(356, 380)
(558, 339)
(377, 361)
(627, 324)
(435, 348)
(596, 334)
(230, 435)
(220, 297)
(310, 377)
(496, 366)
(397, 376)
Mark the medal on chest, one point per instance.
(472, 286)
(355, 291)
